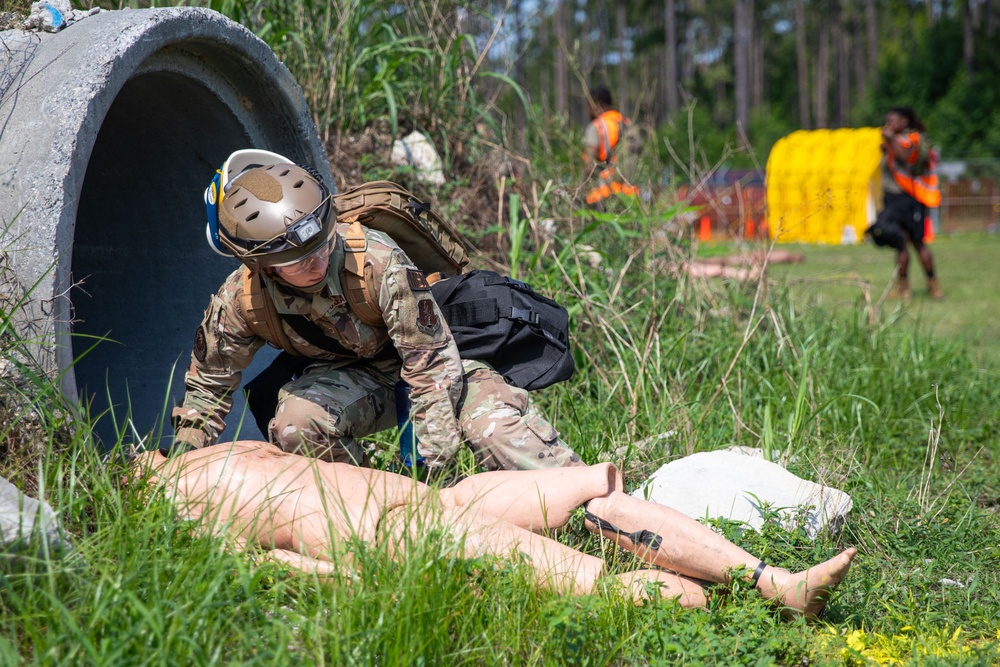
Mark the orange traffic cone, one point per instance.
(705, 229)
(928, 230)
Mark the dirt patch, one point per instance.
(10, 21)
(988, 501)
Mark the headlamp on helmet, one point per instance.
(302, 231)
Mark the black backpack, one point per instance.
(502, 321)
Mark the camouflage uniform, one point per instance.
(348, 393)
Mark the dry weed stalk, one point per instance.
(922, 494)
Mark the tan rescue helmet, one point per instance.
(274, 215)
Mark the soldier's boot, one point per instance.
(934, 289)
(903, 289)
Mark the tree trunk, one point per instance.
(857, 54)
(690, 48)
(621, 20)
(756, 64)
(802, 63)
(969, 16)
(843, 43)
(741, 61)
(670, 55)
(822, 73)
(561, 64)
(870, 23)
(544, 94)
(520, 115)
(600, 25)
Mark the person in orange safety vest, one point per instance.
(910, 187)
(602, 138)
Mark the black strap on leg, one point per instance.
(647, 537)
(756, 573)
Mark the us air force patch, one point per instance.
(200, 345)
(427, 319)
(418, 283)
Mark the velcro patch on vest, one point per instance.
(200, 345)
(427, 319)
(418, 282)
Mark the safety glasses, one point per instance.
(307, 265)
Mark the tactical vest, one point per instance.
(431, 243)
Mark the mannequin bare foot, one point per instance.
(804, 593)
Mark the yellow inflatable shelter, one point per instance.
(822, 185)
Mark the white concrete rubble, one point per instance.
(21, 516)
(739, 484)
(417, 151)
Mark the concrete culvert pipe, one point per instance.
(110, 130)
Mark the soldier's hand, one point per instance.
(185, 439)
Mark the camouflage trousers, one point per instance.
(326, 412)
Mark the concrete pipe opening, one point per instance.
(112, 129)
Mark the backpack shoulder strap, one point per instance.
(361, 195)
(260, 313)
(357, 278)
(433, 244)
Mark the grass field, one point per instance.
(905, 422)
(839, 278)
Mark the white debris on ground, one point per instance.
(740, 485)
(589, 255)
(22, 516)
(417, 151)
(54, 15)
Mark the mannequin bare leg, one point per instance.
(300, 508)
(545, 499)
(695, 550)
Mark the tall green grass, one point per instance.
(142, 585)
(365, 62)
(667, 366)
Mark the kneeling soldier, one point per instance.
(280, 221)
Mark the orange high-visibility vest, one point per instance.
(610, 127)
(925, 188)
(609, 132)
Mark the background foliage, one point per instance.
(768, 67)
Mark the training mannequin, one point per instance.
(299, 509)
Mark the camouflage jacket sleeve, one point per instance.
(431, 363)
(224, 345)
